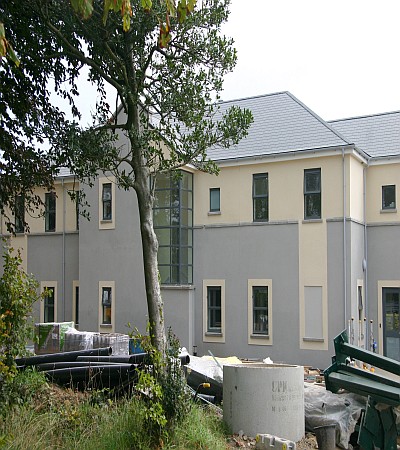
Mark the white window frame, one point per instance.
(259, 339)
(107, 224)
(207, 335)
(43, 286)
(105, 327)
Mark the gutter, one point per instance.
(63, 251)
(344, 241)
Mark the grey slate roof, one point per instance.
(281, 124)
(377, 135)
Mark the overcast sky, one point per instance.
(341, 58)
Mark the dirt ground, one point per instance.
(307, 443)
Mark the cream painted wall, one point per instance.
(285, 190)
(378, 176)
(36, 220)
(355, 183)
(313, 271)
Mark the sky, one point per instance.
(340, 58)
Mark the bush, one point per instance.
(163, 383)
(18, 293)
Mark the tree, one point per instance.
(167, 67)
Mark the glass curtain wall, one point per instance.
(173, 224)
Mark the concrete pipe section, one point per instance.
(265, 398)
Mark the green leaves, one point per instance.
(6, 48)
(123, 6)
(83, 7)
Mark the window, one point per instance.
(76, 305)
(50, 211)
(312, 194)
(173, 224)
(389, 197)
(260, 310)
(215, 203)
(260, 197)
(77, 199)
(214, 309)
(49, 304)
(106, 305)
(107, 201)
(19, 214)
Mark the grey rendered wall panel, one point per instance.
(45, 263)
(177, 314)
(112, 255)
(383, 263)
(237, 254)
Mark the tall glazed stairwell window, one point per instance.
(173, 224)
(312, 194)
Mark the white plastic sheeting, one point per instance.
(322, 407)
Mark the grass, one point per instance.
(54, 418)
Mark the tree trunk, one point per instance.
(150, 248)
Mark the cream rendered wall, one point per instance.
(70, 206)
(285, 179)
(378, 176)
(313, 271)
(355, 183)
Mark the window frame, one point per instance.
(210, 335)
(311, 193)
(47, 285)
(75, 302)
(255, 338)
(213, 309)
(388, 208)
(173, 225)
(215, 208)
(19, 215)
(106, 202)
(106, 224)
(107, 326)
(257, 197)
(50, 211)
(256, 309)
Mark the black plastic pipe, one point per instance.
(66, 364)
(66, 356)
(136, 358)
(94, 376)
(131, 359)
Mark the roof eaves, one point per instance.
(288, 152)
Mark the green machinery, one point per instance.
(378, 424)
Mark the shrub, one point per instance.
(18, 292)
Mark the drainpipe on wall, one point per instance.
(63, 251)
(365, 260)
(344, 242)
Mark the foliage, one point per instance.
(163, 383)
(23, 388)
(56, 418)
(167, 75)
(17, 295)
